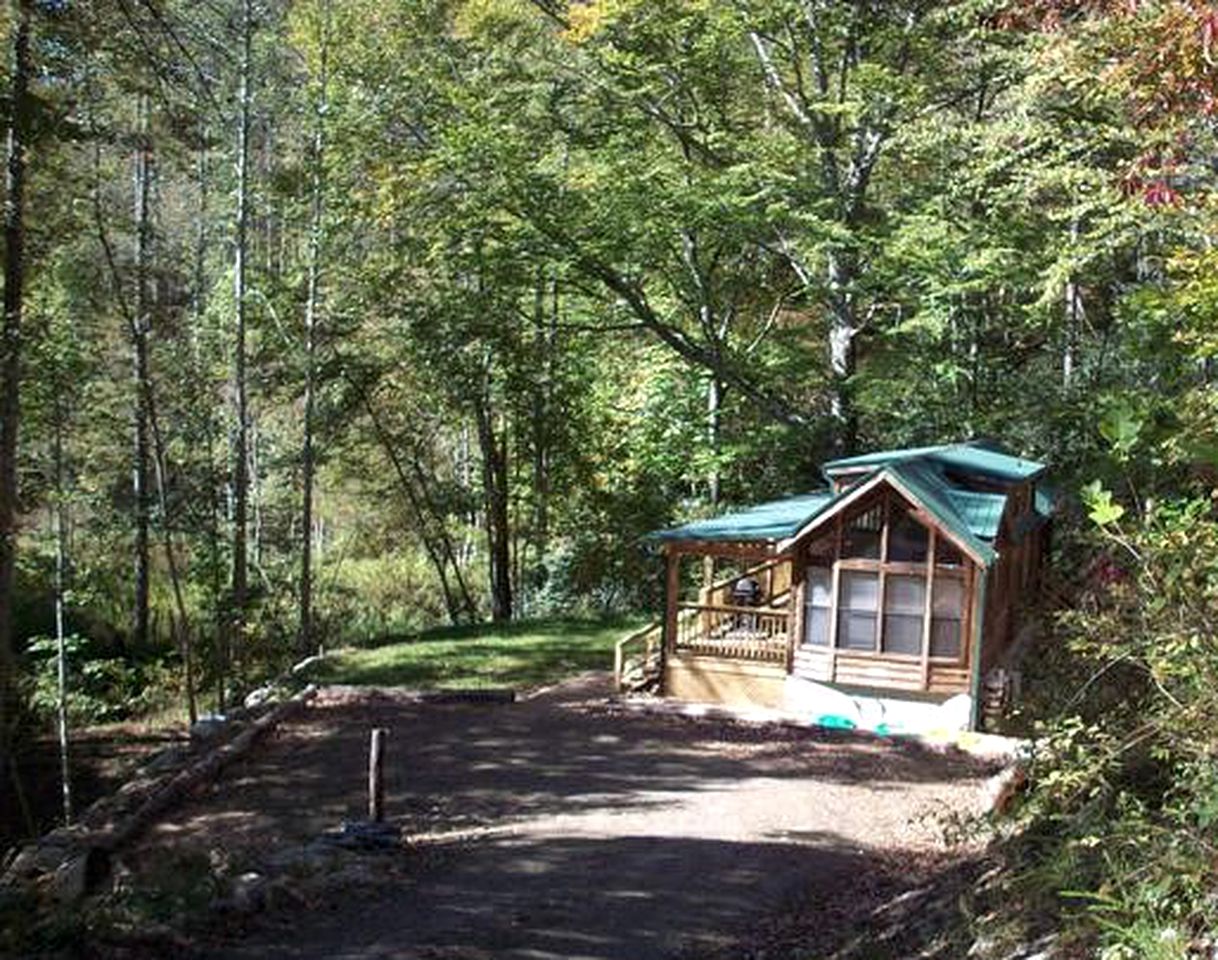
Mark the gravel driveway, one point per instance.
(587, 833)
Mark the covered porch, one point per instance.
(732, 618)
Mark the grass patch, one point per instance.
(516, 655)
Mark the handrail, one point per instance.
(729, 608)
(650, 636)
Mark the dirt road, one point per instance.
(591, 834)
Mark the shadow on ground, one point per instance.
(609, 836)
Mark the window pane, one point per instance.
(818, 626)
(861, 538)
(946, 554)
(908, 540)
(856, 631)
(949, 597)
(905, 594)
(824, 550)
(860, 591)
(903, 633)
(819, 587)
(945, 638)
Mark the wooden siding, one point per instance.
(887, 672)
(719, 680)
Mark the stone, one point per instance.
(70, 881)
(249, 893)
(259, 697)
(999, 790)
(364, 835)
(208, 728)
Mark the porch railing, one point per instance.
(636, 660)
(740, 633)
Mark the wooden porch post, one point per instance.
(672, 589)
(929, 612)
(797, 600)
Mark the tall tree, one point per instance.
(313, 300)
(241, 452)
(10, 360)
(141, 382)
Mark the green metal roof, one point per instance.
(971, 516)
(928, 474)
(976, 456)
(767, 521)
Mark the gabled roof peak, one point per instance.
(979, 456)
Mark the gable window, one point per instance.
(862, 534)
(908, 540)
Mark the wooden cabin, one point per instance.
(887, 600)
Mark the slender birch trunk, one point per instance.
(312, 307)
(139, 344)
(240, 575)
(61, 638)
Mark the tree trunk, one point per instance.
(61, 639)
(10, 365)
(182, 628)
(1073, 320)
(139, 343)
(714, 410)
(435, 552)
(240, 577)
(312, 305)
(545, 331)
(842, 331)
(203, 174)
(495, 496)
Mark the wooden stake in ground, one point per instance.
(376, 779)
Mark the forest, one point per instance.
(332, 320)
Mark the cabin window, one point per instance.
(858, 608)
(908, 540)
(862, 534)
(947, 554)
(947, 618)
(904, 614)
(819, 606)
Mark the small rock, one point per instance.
(71, 880)
(364, 835)
(249, 893)
(1001, 788)
(259, 697)
(209, 727)
(78, 874)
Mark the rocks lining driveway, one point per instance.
(557, 828)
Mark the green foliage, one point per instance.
(521, 655)
(1101, 508)
(100, 688)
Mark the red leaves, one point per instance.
(1158, 194)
